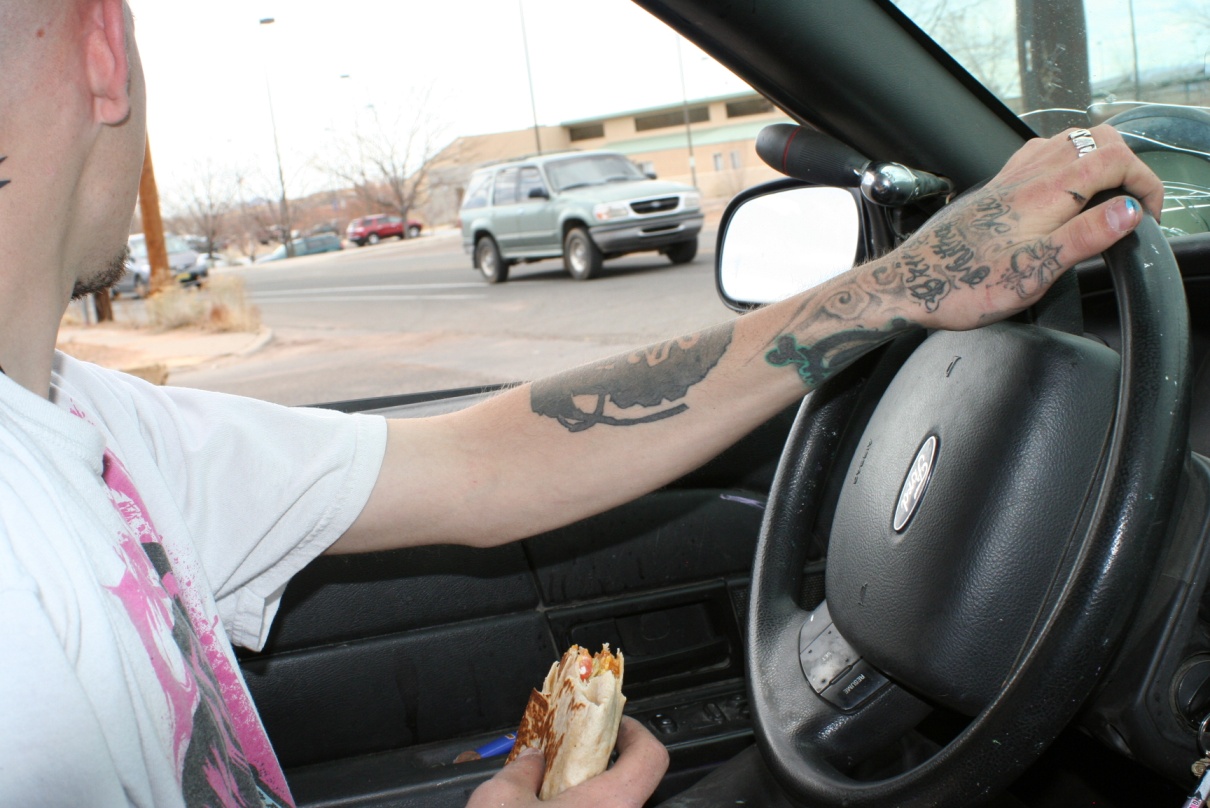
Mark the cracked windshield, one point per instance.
(1140, 65)
(389, 201)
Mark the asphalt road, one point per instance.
(413, 316)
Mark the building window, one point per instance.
(736, 160)
(748, 106)
(663, 120)
(586, 131)
(718, 161)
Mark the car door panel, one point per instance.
(381, 669)
(537, 220)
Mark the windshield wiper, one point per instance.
(620, 178)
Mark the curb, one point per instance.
(263, 338)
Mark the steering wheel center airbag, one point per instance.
(1015, 420)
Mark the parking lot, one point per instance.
(406, 316)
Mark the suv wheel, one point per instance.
(372, 238)
(488, 260)
(413, 231)
(581, 257)
(682, 252)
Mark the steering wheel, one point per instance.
(992, 534)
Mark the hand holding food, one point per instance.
(574, 719)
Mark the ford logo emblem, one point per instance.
(917, 480)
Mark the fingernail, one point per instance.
(1123, 217)
(529, 751)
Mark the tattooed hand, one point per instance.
(998, 250)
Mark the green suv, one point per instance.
(583, 206)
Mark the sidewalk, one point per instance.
(154, 355)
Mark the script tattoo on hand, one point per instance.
(4, 182)
(950, 257)
(651, 381)
(815, 363)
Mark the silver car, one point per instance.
(182, 261)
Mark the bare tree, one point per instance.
(388, 162)
(206, 204)
(971, 32)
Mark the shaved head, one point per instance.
(70, 94)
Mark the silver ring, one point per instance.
(1082, 140)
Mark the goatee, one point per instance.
(103, 280)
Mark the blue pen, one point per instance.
(500, 746)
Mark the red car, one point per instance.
(373, 229)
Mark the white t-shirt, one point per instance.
(140, 528)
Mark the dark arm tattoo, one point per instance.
(4, 182)
(815, 363)
(652, 380)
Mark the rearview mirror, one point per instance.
(776, 241)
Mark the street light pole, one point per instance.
(288, 235)
(680, 63)
(533, 105)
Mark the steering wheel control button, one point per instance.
(915, 484)
(825, 659)
(855, 687)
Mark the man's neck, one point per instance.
(33, 297)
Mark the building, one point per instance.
(709, 143)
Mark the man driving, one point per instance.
(145, 530)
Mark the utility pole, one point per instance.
(153, 226)
(1052, 51)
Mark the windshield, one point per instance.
(594, 170)
(1142, 65)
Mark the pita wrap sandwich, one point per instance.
(574, 718)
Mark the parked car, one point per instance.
(583, 206)
(1064, 665)
(308, 245)
(373, 229)
(183, 261)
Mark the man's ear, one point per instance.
(107, 59)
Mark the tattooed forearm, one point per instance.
(3, 182)
(815, 363)
(649, 383)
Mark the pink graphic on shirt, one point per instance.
(203, 691)
(151, 613)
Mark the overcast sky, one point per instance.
(207, 65)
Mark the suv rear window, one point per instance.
(476, 192)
